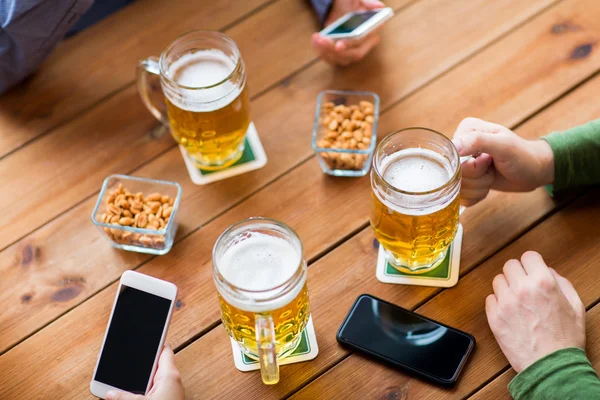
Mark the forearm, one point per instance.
(565, 374)
(322, 8)
(576, 156)
(29, 30)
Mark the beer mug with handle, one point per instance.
(415, 184)
(203, 79)
(260, 274)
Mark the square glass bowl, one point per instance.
(357, 162)
(148, 238)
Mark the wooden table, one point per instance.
(530, 65)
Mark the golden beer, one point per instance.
(289, 321)
(260, 275)
(207, 106)
(415, 201)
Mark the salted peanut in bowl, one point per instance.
(138, 214)
(344, 133)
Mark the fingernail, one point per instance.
(340, 46)
(457, 144)
(110, 395)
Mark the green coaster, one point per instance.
(441, 271)
(307, 350)
(444, 275)
(302, 349)
(247, 156)
(253, 157)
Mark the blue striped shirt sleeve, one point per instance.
(29, 30)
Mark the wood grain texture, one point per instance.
(463, 307)
(487, 226)
(62, 151)
(119, 135)
(497, 389)
(292, 102)
(496, 221)
(95, 63)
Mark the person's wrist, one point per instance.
(545, 159)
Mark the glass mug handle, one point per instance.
(145, 67)
(267, 353)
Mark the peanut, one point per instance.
(154, 197)
(113, 209)
(154, 206)
(347, 127)
(124, 208)
(145, 240)
(142, 220)
(126, 221)
(159, 241)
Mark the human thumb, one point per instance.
(119, 395)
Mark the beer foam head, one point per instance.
(260, 262)
(200, 70)
(416, 170)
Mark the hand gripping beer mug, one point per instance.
(416, 182)
(260, 274)
(203, 79)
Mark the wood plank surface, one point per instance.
(53, 244)
(119, 134)
(100, 60)
(497, 389)
(98, 161)
(463, 307)
(188, 265)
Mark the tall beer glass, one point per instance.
(260, 274)
(203, 79)
(415, 182)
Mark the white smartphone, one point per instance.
(357, 24)
(135, 335)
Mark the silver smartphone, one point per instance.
(135, 335)
(357, 24)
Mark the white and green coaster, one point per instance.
(254, 157)
(307, 350)
(444, 275)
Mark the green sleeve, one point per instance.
(563, 375)
(576, 156)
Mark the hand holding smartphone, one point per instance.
(135, 335)
(357, 24)
(351, 37)
(406, 340)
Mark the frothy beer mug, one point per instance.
(260, 274)
(203, 79)
(416, 182)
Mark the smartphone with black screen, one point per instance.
(355, 25)
(135, 336)
(406, 340)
